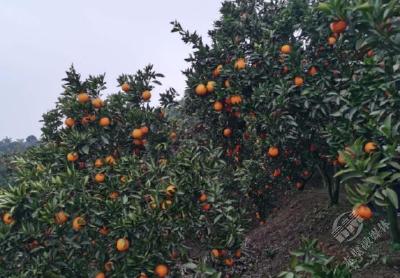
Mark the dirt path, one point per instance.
(303, 215)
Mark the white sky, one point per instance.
(40, 39)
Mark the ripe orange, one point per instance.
(331, 40)
(100, 275)
(83, 98)
(238, 253)
(172, 136)
(240, 64)
(125, 87)
(104, 122)
(137, 133)
(218, 106)
(312, 71)
(217, 71)
(7, 218)
(277, 172)
(143, 275)
(98, 163)
(146, 95)
(97, 103)
(338, 26)
(69, 122)
(60, 217)
(100, 177)
(201, 90)
(286, 49)
(78, 223)
(370, 147)
(228, 262)
(108, 266)
(171, 189)
(363, 212)
(114, 195)
(72, 157)
(206, 207)
(104, 231)
(227, 132)
(110, 160)
(273, 151)
(138, 142)
(298, 81)
(144, 130)
(203, 197)
(210, 86)
(122, 244)
(161, 270)
(236, 99)
(215, 253)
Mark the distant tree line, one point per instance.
(9, 148)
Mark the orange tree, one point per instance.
(367, 121)
(110, 193)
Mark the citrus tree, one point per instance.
(110, 193)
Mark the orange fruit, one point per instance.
(146, 95)
(273, 151)
(370, 147)
(201, 90)
(236, 99)
(92, 118)
(218, 106)
(104, 122)
(144, 130)
(217, 71)
(161, 270)
(312, 71)
(108, 266)
(104, 231)
(338, 26)
(7, 218)
(100, 275)
(125, 87)
(363, 212)
(69, 122)
(114, 195)
(277, 173)
(238, 253)
(206, 207)
(72, 157)
(210, 86)
(100, 177)
(83, 98)
(122, 244)
(137, 133)
(228, 262)
(227, 132)
(110, 160)
(298, 81)
(98, 163)
(215, 253)
(60, 217)
(240, 64)
(331, 40)
(97, 103)
(171, 189)
(286, 49)
(78, 223)
(203, 197)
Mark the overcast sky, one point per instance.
(40, 39)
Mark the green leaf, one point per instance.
(392, 196)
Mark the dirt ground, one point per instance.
(307, 214)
